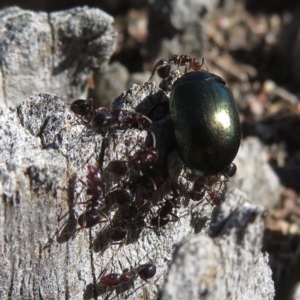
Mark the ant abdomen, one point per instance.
(146, 271)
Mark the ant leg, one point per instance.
(104, 145)
(198, 202)
(175, 217)
(71, 189)
(103, 272)
(103, 288)
(153, 184)
(159, 65)
(147, 119)
(203, 62)
(153, 139)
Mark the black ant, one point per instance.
(83, 108)
(198, 191)
(117, 167)
(119, 196)
(131, 213)
(142, 161)
(165, 214)
(128, 220)
(95, 184)
(71, 189)
(130, 217)
(104, 118)
(217, 196)
(144, 271)
(120, 282)
(143, 201)
(117, 234)
(125, 227)
(203, 187)
(163, 67)
(93, 215)
(109, 236)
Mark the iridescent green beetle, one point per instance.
(206, 122)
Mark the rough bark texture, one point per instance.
(42, 145)
(256, 177)
(51, 53)
(227, 264)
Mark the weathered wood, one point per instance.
(51, 53)
(226, 264)
(42, 144)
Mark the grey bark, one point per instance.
(255, 177)
(42, 145)
(52, 53)
(229, 263)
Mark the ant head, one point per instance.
(82, 107)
